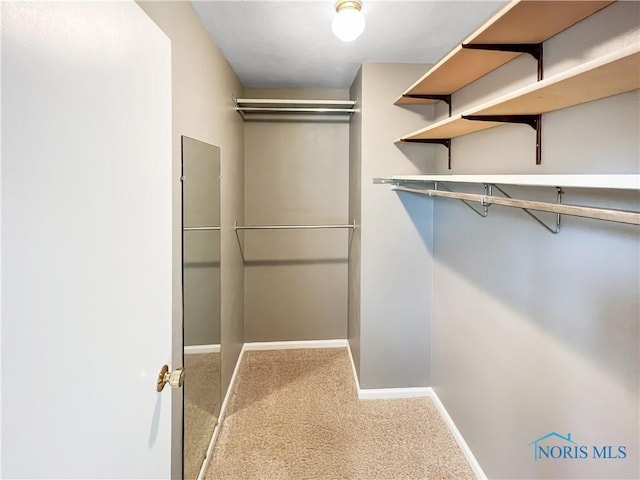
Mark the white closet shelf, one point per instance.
(514, 30)
(612, 74)
(288, 102)
(246, 106)
(495, 195)
(613, 181)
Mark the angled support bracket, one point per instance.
(443, 98)
(440, 141)
(534, 49)
(485, 206)
(534, 121)
(555, 230)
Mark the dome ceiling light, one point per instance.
(349, 22)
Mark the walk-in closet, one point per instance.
(352, 239)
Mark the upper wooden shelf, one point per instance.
(609, 75)
(609, 181)
(520, 22)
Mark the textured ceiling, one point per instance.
(290, 44)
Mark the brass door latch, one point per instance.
(175, 379)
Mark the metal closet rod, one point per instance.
(293, 106)
(620, 216)
(294, 110)
(291, 227)
(197, 229)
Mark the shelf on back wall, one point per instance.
(612, 74)
(514, 30)
(277, 106)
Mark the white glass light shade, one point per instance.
(348, 24)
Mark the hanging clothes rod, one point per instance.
(290, 227)
(620, 216)
(197, 229)
(289, 101)
(294, 110)
(250, 106)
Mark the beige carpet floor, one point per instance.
(295, 414)
(201, 408)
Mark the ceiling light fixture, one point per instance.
(349, 22)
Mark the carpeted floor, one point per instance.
(295, 414)
(201, 408)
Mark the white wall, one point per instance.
(533, 332)
(86, 247)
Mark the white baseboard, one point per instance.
(190, 349)
(356, 381)
(378, 393)
(223, 410)
(475, 466)
(337, 343)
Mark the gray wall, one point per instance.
(355, 212)
(201, 205)
(395, 238)
(202, 86)
(532, 332)
(296, 172)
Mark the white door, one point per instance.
(86, 241)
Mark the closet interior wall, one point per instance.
(296, 173)
(532, 332)
(390, 268)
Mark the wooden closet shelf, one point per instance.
(609, 75)
(520, 22)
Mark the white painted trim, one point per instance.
(475, 466)
(232, 383)
(191, 349)
(337, 343)
(378, 393)
(223, 410)
(353, 368)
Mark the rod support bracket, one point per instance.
(485, 205)
(556, 229)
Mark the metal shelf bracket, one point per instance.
(440, 141)
(534, 121)
(427, 96)
(534, 49)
